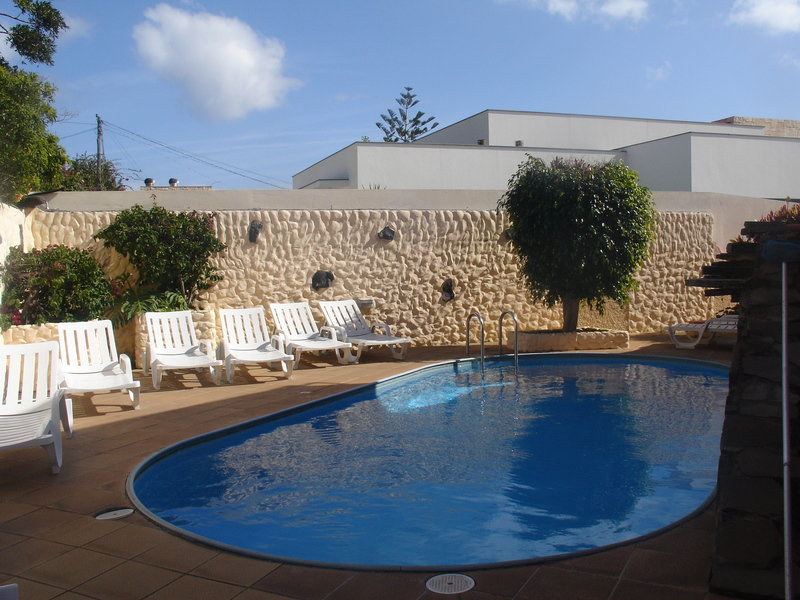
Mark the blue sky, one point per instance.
(268, 87)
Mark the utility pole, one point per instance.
(99, 152)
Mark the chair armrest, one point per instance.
(209, 347)
(125, 363)
(381, 325)
(277, 342)
(332, 332)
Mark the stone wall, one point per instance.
(404, 276)
(749, 544)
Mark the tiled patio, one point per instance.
(53, 547)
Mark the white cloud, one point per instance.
(634, 10)
(776, 16)
(224, 68)
(77, 27)
(655, 74)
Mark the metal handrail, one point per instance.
(516, 335)
(483, 336)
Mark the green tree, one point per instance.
(170, 250)
(31, 28)
(81, 175)
(30, 156)
(580, 230)
(400, 126)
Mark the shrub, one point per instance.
(53, 285)
(170, 251)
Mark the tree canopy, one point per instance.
(400, 126)
(581, 231)
(82, 175)
(31, 28)
(31, 157)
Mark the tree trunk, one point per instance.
(570, 307)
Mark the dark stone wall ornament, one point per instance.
(447, 291)
(254, 230)
(321, 279)
(387, 233)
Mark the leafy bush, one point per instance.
(170, 251)
(53, 285)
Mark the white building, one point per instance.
(739, 156)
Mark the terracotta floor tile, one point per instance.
(73, 498)
(128, 581)
(195, 588)
(33, 590)
(304, 583)
(386, 586)
(128, 541)
(73, 596)
(234, 569)
(39, 521)
(682, 540)
(177, 554)
(73, 568)
(684, 571)
(251, 594)
(550, 583)
(502, 581)
(9, 539)
(611, 562)
(17, 559)
(81, 531)
(11, 510)
(635, 590)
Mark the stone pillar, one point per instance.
(749, 543)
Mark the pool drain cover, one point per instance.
(450, 583)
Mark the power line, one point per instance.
(195, 157)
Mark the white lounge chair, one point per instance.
(688, 335)
(346, 317)
(31, 399)
(90, 363)
(172, 344)
(246, 339)
(297, 328)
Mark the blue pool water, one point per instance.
(454, 466)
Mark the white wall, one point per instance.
(748, 166)
(663, 164)
(546, 130)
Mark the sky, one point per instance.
(243, 94)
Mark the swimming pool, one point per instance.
(454, 466)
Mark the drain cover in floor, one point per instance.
(450, 583)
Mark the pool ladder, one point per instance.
(505, 313)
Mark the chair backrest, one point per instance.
(87, 347)
(171, 332)
(244, 328)
(345, 314)
(29, 375)
(294, 319)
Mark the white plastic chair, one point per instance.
(688, 335)
(346, 317)
(246, 339)
(298, 330)
(31, 399)
(172, 344)
(90, 363)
